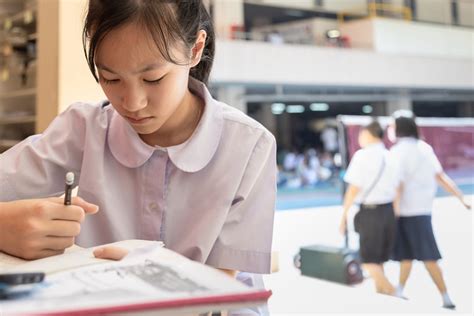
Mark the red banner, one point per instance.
(453, 145)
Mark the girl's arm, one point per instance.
(396, 202)
(35, 168)
(33, 223)
(349, 199)
(448, 184)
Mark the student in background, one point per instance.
(420, 171)
(159, 157)
(372, 181)
(329, 139)
(308, 168)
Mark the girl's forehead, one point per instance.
(133, 44)
(129, 45)
(129, 35)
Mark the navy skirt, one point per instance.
(415, 239)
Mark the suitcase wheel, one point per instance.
(297, 261)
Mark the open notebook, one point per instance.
(150, 277)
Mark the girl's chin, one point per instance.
(147, 130)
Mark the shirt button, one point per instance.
(153, 206)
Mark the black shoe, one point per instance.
(449, 306)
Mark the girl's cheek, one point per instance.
(111, 94)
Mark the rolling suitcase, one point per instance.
(336, 264)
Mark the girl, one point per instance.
(159, 160)
(420, 170)
(372, 184)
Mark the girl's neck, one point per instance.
(180, 126)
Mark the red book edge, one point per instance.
(185, 302)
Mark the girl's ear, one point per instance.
(198, 48)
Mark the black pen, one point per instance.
(68, 189)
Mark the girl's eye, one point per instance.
(109, 81)
(153, 81)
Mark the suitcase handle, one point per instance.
(346, 237)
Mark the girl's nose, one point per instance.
(133, 100)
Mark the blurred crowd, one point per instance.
(298, 169)
(312, 165)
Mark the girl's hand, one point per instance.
(33, 229)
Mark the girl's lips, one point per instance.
(138, 120)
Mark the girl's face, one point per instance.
(141, 85)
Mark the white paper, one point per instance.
(148, 274)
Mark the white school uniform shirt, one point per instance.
(363, 171)
(211, 198)
(418, 166)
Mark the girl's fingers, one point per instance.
(110, 252)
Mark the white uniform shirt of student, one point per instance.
(363, 170)
(211, 198)
(418, 166)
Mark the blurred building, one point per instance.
(295, 65)
(292, 65)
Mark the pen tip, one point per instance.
(69, 178)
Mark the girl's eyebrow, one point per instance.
(144, 69)
(102, 67)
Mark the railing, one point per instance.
(379, 9)
(404, 11)
(304, 32)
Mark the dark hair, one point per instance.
(375, 129)
(170, 22)
(405, 124)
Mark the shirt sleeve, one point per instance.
(435, 161)
(354, 174)
(36, 167)
(244, 244)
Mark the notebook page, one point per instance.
(152, 277)
(73, 258)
